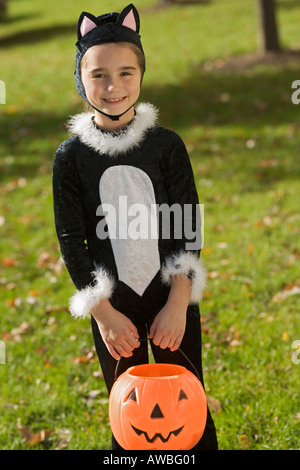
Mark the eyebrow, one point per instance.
(100, 69)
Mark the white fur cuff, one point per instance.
(84, 300)
(188, 264)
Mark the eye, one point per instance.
(132, 395)
(182, 395)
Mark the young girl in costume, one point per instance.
(132, 283)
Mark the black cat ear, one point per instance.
(129, 17)
(86, 23)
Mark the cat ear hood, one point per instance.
(107, 28)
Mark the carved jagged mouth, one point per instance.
(157, 435)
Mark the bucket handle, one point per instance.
(183, 354)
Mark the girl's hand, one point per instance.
(118, 332)
(168, 327)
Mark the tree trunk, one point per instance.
(3, 9)
(269, 30)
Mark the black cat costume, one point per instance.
(142, 164)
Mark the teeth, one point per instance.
(113, 100)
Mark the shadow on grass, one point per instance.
(287, 4)
(252, 97)
(232, 105)
(253, 100)
(28, 142)
(36, 35)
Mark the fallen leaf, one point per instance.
(91, 397)
(50, 309)
(47, 363)
(17, 333)
(244, 441)
(213, 274)
(5, 335)
(206, 330)
(250, 248)
(11, 109)
(41, 350)
(206, 251)
(251, 143)
(222, 245)
(87, 356)
(285, 336)
(207, 294)
(226, 261)
(80, 360)
(9, 262)
(33, 438)
(271, 163)
(10, 286)
(31, 300)
(51, 262)
(286, 292)
(14, 184)
(214, 404)
(33, 293)
(14, 302)
(98, 374)
(233, 337)
(268, 221)
(235, 342)
(64, 437)
(26, 219)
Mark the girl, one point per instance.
(134, 280)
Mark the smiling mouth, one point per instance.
(157, 435)
(114, 100)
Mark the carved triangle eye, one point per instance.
(132, 396)
(182, 395)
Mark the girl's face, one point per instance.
(111, 77)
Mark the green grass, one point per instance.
(242, 133)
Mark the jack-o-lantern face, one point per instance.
(157, 406)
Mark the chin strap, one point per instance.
(110, 116)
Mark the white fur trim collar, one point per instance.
(111, 143)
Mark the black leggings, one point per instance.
(190, 346)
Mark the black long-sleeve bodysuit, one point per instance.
(130, 255)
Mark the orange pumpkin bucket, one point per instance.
(157, 407)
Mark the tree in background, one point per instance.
(3, 9)
(268, 26)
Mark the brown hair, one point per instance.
(136, 50)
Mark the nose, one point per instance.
(112, 85)
(156, 412)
